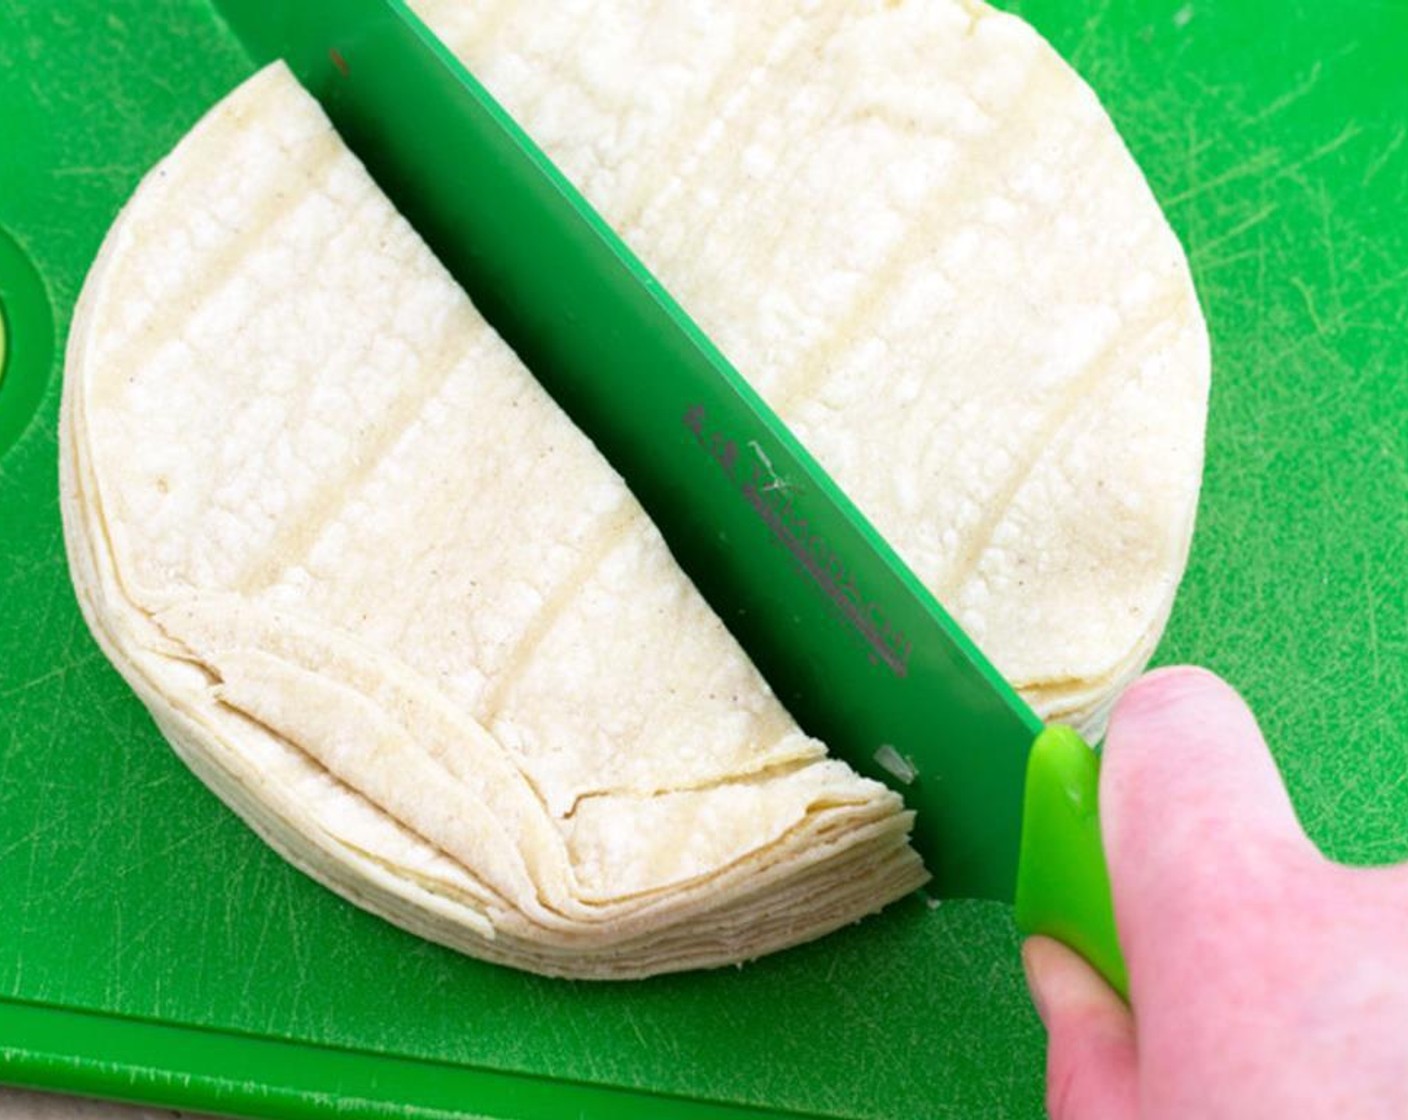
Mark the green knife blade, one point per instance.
(853, 644)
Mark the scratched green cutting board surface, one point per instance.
(1276, 136)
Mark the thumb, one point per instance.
(1090, 1059)
(1183, 741)
(1197, 822)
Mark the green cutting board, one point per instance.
(152, 948)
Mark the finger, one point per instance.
(1090, 1058)
(1196, 819)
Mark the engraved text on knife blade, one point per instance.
(771, 499)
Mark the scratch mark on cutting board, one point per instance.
(635, 1029)
(1347, 314)
(1207, 266)
(1371, 619)
(1379, 162)
(55, 673)
(1349, 132)
(164, 854)
(1292, 95)
(121, 171)
(1248, 223)
(1268, 163)
(1321, 328)
(55, 823)
(1264, 161)
(1332, 260)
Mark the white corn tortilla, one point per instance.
(917, 233)
(395, 609)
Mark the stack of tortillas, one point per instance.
(395, 609)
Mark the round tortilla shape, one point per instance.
(910, 225)
(392, 607)
(916, 232)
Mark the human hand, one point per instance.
(1265, 980)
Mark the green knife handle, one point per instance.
(1063, 885)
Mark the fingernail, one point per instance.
(1033, 965)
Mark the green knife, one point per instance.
(854, 645)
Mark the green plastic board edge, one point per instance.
(193, 1068)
